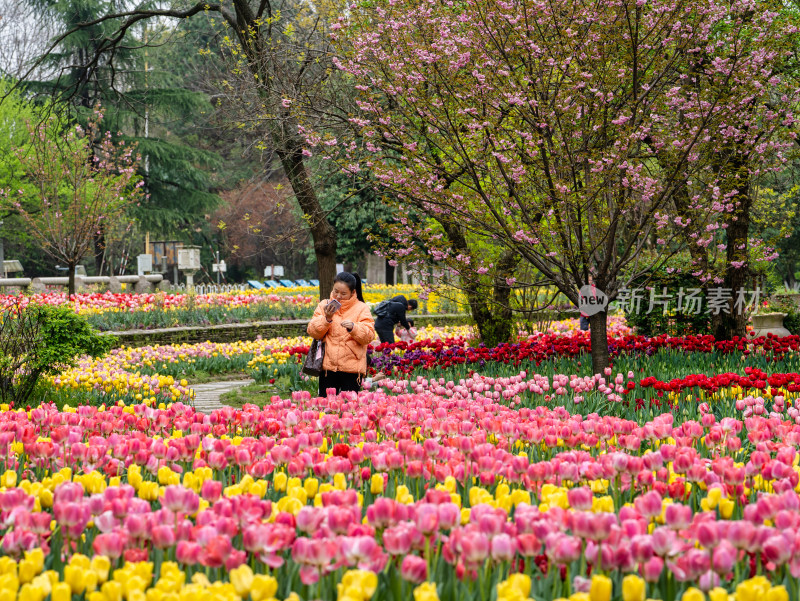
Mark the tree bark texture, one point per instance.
(492, 313)
(734, 323)
(598, 334)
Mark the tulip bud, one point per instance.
(426, 592)
(211, 490)
(633, 588)
(600, 589)
(74, 577)
(263, 587)
(718, 594)
(777, 593)
(693, 594)
(414, 569)
(242, 580)
(652, 569)
(61, 592)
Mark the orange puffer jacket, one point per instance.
(344, 351)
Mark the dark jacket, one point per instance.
(396, 313)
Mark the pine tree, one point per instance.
(143, 105)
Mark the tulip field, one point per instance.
(107, 311)
(468, 473)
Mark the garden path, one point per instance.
(206, 396)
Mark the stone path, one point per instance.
(206, 396)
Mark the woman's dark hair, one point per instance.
(412, 302)
(353, 281)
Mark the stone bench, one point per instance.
(18, 283)
(142, 284)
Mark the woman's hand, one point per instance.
(348, 325)
(330, 310)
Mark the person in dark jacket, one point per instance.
(394, 313)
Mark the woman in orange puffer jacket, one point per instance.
(346, 330)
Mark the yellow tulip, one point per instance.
(74, 577)
(8, 566)
(753, 589)
(36, 557)
(311, 486)
(279, 481)
(633, 588)
(600, 588)
(8, 479)
(777, 593)
(339, 482)
(376, 484)
(154, 594)
(693, 594)
(263, 587)
(242, 579)
(29, 592)
(718, 594)
(517, 586)
(426, 592)
(27, 571)
(101, 565)
(61, 592)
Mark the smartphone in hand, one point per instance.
(335, 304)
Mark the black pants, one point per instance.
(385, 330)
(340, 380)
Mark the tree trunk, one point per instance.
(495, 324)
(734, 323)
(493, 318)
(71, 279)
(99, 249)
(789, 280)
(390, 271)
(598, 335)
(288, 142)
(323, 234)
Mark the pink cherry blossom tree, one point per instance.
(567, 130)
(81, 180)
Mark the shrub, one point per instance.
(40, 340)
(673, 322)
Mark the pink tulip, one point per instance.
(723, 558)
(427, 518)
(449, 515)
(110, 544)
(651, 570)
(562, 549)
(474, 547)
(741, 534)
(163, 537)
(580, 498)
(503, 548)
(649, 504)
(777, 550)
(677, 516)
(398, 540)
(414, 569)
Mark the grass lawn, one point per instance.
(257, 394)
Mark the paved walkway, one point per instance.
(206, 396)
